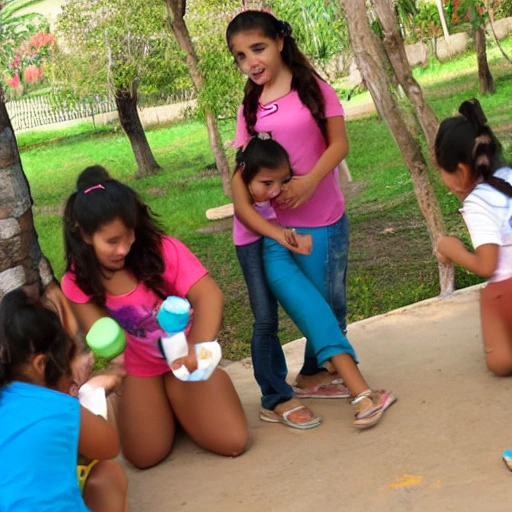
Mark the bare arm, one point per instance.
(87, 314)
(482, 262)
(245, 211)
(301, 188)
(98, 439)
(207, 300)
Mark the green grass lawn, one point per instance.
(390, 259)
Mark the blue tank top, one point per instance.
(39, 430)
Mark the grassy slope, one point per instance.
(390, 260)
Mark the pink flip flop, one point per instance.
(334, 389)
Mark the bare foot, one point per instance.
(302, 415)
(319, 379)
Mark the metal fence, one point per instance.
(37, 111)
(32, 112)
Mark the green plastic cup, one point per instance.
(106, 338)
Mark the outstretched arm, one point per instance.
(482, 262)
(87, 314)
(245, 211)
(98, 439)
(301, 188)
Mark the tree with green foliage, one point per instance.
(119, 48)
(320, 30)
(471, 16)
(209, 97)
(374, 69)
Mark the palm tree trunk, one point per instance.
(21, 260)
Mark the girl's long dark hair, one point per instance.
(469, 140)
(87, 210)
(28, 328)
(304, 76)
(260, 152)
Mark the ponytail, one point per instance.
(468, 139)
(98, 200)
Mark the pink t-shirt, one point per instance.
(136, 311)
(291, 124)
(242, 235)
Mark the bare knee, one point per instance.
(235, 445)
(106, 488)
(501, 367)
(145, 460)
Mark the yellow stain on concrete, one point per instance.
(406, 481)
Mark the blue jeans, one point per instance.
(311, 289)
(330, 276)
(268, 360)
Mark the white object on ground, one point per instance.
(220, 212)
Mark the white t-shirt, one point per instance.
(487, 213)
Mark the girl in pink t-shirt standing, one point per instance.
(121, 264)
(285, 97)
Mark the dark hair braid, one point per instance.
(487, 150)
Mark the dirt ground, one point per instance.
(438, 449)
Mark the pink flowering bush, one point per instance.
(26, 63)
(32, 74)
(14, 82)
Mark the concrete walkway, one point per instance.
(437, 449)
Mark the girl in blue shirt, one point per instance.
(42, 428)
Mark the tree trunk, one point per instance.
(21, 260)
(22, 264)
(179, 28)
(484, 73)
(395, 50)
(490, 10)
(126, 103)
(365, 45)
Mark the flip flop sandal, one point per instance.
(273, 417)
(335, 389)
(372, 416)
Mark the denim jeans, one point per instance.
(330, 277)
(311, 290)
(268, 360)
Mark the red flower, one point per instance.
(14, 81)
(32, 74)
(37, 41)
